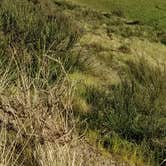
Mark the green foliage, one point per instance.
(24, 22)
(134, 109)
(29, 33)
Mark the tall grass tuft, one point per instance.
(134, 110)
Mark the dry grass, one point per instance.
(31, 115)
(37, 122)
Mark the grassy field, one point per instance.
(79, 87)
(152, 12)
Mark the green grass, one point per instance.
(151, 12)
(134, 110)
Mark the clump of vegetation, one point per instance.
(34, 89)
(133, 110)
(30, 33)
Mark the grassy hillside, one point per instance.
(80, 87)
(147, 11)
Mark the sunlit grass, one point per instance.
(147, 11)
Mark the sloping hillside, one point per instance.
(80, 87)
(148, 12)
